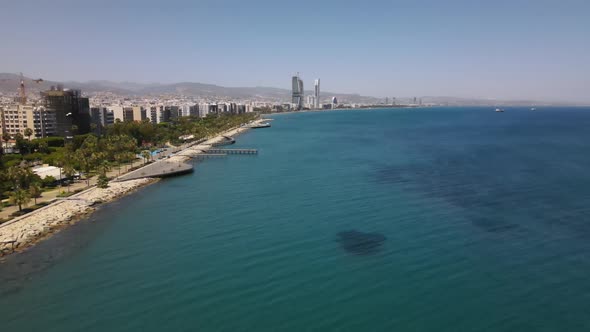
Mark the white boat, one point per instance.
(258, 125)
(533, 109)
(499, 110)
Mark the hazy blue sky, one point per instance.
(497, 49)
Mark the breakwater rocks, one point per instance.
(23, 232)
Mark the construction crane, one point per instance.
(21, 90)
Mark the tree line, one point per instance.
(95, 155)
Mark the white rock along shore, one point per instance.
(40, 224)
(32, 227)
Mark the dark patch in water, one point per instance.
(502, 186)
(493, 226)
(359, 243)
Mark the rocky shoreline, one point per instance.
(34, 227)
(23, 232)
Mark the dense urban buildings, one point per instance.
(59, 112)
(64, 112)
(101, 117)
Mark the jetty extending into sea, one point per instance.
(178, 162)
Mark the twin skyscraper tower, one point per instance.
(298, 94)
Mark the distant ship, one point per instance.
(499, 110)
(533, 109)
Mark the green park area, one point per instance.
(91, 159)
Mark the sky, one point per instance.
(534, 49)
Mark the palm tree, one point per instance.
(68, 172)
(15, 175)
(121, 148)
(103, 167)
(21, 177)
(43, 147)
(35, 191)
(29, 133)
(145, 154)
(103, 180)
(88, 156)
(6, 138)
(19, 197)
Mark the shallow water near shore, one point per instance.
(438, 219)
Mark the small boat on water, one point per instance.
(533, 109)
(258, 125)
(499, 110)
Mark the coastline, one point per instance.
(342, 109)
(28, 230)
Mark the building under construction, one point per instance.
(61, 112)
(68, 110)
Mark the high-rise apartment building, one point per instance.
(154, 114)
(194, 110)
(69, 109)
(311, 101)
(15, 119)
(297, 94)
(101, 117)
(334, 102)
(44, 122)
(316, 93)
(128, 114)
(172, 112)
(62, 112)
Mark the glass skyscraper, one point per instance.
(297, 95)
(316, 93)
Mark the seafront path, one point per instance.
(24, 231)
(161, 167)
(175, 162)
(53, 194)
(169, 164)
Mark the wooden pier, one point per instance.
(207, 155)
(233, 151)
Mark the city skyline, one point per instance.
(9, 90)
(504, 50)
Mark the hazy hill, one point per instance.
(9, 85)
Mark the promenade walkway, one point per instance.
(174, 161)
(53, 195)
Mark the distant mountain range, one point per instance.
(9, 85)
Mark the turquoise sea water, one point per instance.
(476, 221)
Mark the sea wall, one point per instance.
(28, 229)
